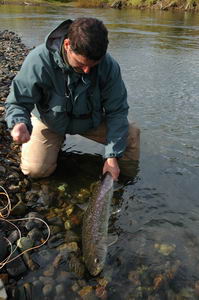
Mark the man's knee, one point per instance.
(133, 141)
(134, 132)
(37, 171)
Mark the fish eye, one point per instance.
(96, 261)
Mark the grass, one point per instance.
(159, 4)
(191, 4)
(91, 3)
(40, 2)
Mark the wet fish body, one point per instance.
(95, 226)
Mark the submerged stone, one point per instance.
(2, 170)
(16, 267)
(69, 247)
(85, 291)
(25, 243)
(3, 249)
(76, 266)
(3, 294)
(165, 249)
(19, 209)
(82, 196)
(47, 290)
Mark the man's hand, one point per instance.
(20, 133)
(111, 165)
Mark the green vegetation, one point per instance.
(152, 4)
(155, 4)
(40, 2)
(91, 3)
(167, 4)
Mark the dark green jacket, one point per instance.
(69, 102)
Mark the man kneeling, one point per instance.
(71, 85)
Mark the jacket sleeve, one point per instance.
(114, 97)
(25, 91)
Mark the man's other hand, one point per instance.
(111, 165)
(20, 133)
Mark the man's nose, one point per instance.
(86, 69)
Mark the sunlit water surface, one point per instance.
(158, 55)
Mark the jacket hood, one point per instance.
(55, 38)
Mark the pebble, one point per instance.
(67, 225)
(25, 243)
(35, 217)
(71, 236)
(42, 257)
(76, 266)
(68, 247)
(47, 290)
(59, 289)
(165, 249)
(55, 229)
(49, 272)
(13, 188)
(2, 170)
(37, 284)
(35, 234)
(3, 249)
(29, 262)
(56, 240)
(3, 294)
(19, 209)
(16, 267)
(4, 278)
(75, 287)
(46, 280)
(29, 225)
(86, 292)
(13, 237)
(63, 277)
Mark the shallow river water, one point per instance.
(158, 223)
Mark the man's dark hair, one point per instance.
(88, 37)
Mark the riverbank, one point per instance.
(184, 5)
(43, 232)
(37, 3)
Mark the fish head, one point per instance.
(96, 260)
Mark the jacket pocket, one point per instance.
(53, 113)
(52, 102)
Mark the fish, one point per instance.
(95, 225)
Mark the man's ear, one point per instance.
(66, 44)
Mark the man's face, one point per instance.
(79, 63)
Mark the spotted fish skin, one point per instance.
(95, 226)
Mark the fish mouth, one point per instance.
(96, 271)
(96, 267)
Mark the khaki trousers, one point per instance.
(39, 154)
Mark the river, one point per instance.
(158, 223)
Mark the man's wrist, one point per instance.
(111, 158)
